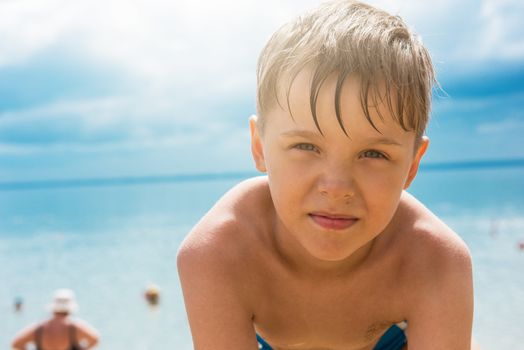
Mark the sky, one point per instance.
(114, 88)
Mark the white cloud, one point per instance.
(95, 111)
(111, 125)
(508, 126)
(502, 35)
(467, 32)
(159, 42)
(492, 31)
(201, 44)
(504, 103)
(107, 112)
(212, 46)
(28, 26)
(146, 143)
(182, 56)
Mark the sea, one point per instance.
(109, 241)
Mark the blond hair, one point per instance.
(350, 38)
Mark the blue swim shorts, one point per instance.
(393, 339)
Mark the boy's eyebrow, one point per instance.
(384, 141)
(372, 141)
(303, 133)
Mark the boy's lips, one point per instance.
(333, 221)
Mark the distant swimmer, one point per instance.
(521, 246)
(18, 304)
(60, 331)
(494, 228)
(152, 294)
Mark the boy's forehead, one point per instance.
(294, 89)
(295, 97)
(296, 113)
(297, 88)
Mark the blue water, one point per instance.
(108, 243)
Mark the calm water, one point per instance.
(108, 243)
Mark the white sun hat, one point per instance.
(63, 301)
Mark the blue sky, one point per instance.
(131, 88)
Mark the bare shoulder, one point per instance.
(428, 242)
(227, 225)
(215, 265)
(437, 276)
(84, 328)
(25, 336)
(230, 232)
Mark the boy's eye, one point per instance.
(373, 154)
(306, 147)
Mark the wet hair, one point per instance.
(348, 38)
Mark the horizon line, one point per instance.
(220, 176)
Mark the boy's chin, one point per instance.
(336, 248)
(332, 254)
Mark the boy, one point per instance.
(328, 251)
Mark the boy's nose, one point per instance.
(337, 184)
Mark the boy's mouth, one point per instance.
(333, 221)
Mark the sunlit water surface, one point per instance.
(108, 243)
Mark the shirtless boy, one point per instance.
(328, 251)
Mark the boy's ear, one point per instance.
(424, 143)
(256, 145)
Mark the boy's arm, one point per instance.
(441, 313)
(218, 317)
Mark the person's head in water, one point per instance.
(18, 304)
(152, 294)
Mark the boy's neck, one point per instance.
(304, 264)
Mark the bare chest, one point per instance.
(343, 315)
